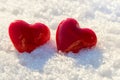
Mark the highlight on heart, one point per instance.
(70, 37)
(27, 37)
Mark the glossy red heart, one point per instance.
(26, 37)
(70, 37)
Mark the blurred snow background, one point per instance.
(99, 63)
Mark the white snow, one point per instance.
(44, 63)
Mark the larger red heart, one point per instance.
(26, 37)
(70, 37)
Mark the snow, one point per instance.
(44, 63)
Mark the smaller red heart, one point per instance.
(70, 37)
(26, 37)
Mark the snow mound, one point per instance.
(44, 63)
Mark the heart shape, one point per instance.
(70, 37)
(26, 37)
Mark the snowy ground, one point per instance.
(99, 63)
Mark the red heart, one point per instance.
(26, 37)
(70, 37)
